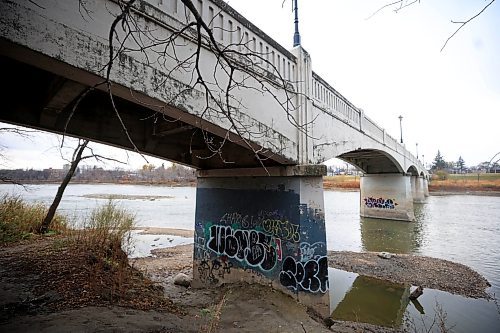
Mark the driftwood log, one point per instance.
(416, 293)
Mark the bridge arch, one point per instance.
(372, 161)
(412, 170)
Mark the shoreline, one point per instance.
(441, 191)
(182, 309)
(417, 270)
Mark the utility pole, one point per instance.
(401, 127)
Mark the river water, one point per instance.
(460, 228)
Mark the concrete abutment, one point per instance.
(270, 229)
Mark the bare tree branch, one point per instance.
(401, 4)
(462, 24)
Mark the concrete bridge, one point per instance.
(257, 127)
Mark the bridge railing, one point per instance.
(331, 101)
(232, 30)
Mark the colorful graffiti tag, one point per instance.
(255, 248)
(380, 203)
(282, 229)
(266, 233)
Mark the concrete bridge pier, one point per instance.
(270, 229)
(426, 187)
(387, 196)
(417, 188)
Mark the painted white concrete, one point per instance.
(387, 196)
(419, 192)
(329, 124)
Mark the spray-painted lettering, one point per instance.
(311, 275)
(282, 229)
(380, 203)
(253, 247)
(209, 270)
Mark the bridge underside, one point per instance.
(40, 99)
(371, 161)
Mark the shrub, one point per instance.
(442, 175)
(107, 226)
(19, 219)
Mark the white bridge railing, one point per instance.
(233, 30)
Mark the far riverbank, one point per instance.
(472, 184)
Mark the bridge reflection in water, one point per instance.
(379, 235)
(368, 300)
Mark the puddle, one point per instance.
(143, 244)
(360, 298)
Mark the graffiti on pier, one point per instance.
(311, 275)
(211, 270)
(380, 203)
(309, 251)
(282, 229)
(252, 247)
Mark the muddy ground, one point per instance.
(45, 288)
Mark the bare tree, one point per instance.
(78, 156)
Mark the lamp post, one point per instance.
(296, 36)
(401, 127)
(416, 145)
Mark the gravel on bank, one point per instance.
(415, 270)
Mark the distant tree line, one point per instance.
(459, 166)
(148, 174)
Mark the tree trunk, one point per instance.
(77, 157)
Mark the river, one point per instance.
(460, 228)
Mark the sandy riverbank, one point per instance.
(43, 289)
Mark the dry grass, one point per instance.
(341, 182)
(85, 266)
(467, 182)
(214, 315)
(453, 183)
(20, 220)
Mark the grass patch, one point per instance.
(467, 182)
(341, 182)
(20, 220)
(84, 266)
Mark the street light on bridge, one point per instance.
(416, 144)
(296, 36)
(401, 127)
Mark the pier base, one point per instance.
(263, 229)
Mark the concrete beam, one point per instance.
(288, 171)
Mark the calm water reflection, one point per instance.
(391, 236)
(459, 228)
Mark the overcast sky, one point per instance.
(388, 65)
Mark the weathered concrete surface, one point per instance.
(387, 196)
(65, 44)
(269, 230)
